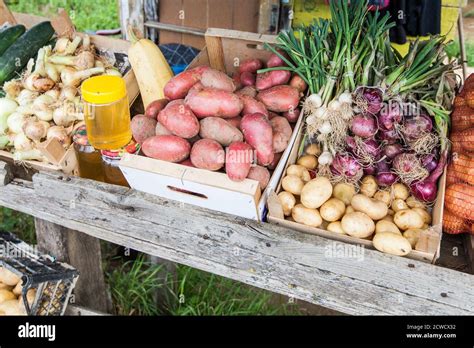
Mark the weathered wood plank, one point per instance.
(82, 252)
(267, 256)
(5, 173)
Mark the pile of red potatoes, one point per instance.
(241, 125)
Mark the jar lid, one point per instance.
(132, 148)
(80, 136)
(103, 89)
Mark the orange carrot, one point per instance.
(463, 168)
(462, 118)
(460, 200)
(453, 224)
(467, 140)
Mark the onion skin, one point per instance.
(382, 167)
(389, 116)
(386, 179)
(346, 165)
(427, 190)
(429, 162)
(369, 170)
(416, 126)
(405, 162)
(374, 99)
(389, 136)
(364, 126)
(372, 147)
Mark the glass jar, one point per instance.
(89, 159)
(106, 112)
(111, 159)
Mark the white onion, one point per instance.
(311, 120)
(321, 113)
(26, 97)
(314, 100)
(325, 128)
(345, 98)
(15, 122)
(325, 158)
(334, 105)
(22, 143)
(35, 130)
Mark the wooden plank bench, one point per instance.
(263, 255)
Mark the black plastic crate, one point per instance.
(53, 280)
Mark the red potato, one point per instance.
(235, 121)
(187, 162)
(274, 60)
(252, 106)
(211, 102)
(280, 98)
(258, 133)
(272, 114)
(275, 161)
(239, 158)
(292, 115)
(194, 89)
(260, 174)
(247, 90)
(272, 78)
(212, 78)
(178, 118)
(161, 130)
(154, 108)
(247, 79)
(142, 128)
(168, 148)
(250, 65)
(179, 85)
(297, 82)
(281, 133)
(220, 130)
(207, 154)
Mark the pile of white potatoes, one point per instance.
(11, 301)
(390, 217)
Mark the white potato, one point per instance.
(5, 286)
(11, 307)
(375, 209)
(306, 216)
(399, 204)
(313, 149)
(349, 209)
(335, 227)
(390, 212)
(7, 277)
(408, 219)
(308, 161)
(412, 235)
(400, 191)
(287, 201)
(424, 215)
(412, 202)
(332, 210)
(6, 295)
(391, 243)
(344, 192)
(383, 196)
(388, 218)
(299, 171)
(316, 192)
(358, 225)
(386, 226)
(292, 184)
(369, 186)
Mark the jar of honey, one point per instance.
(89, 159)
(106, 112)
(111, 159)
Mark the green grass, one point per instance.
(453, 50)
(21, 224)
(85, 14)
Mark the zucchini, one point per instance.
(23, 49)
(9, 35)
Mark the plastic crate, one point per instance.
(53, 280)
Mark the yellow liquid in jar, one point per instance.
(108, 125)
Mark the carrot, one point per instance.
(460, 200)
(462, 118)
(453, 224)
(463, 168)
(470, 96)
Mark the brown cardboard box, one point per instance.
(202, 14)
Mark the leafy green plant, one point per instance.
(21, 224)
(133, 286)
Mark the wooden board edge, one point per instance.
(240, 35)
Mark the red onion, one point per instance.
(382, 167)
(386, 179)
(429, 162)
(392, 150)
(364, 126)
(405, 162)
(373, 97)
(389, 115)
(371, 147)
(427, 190)
(351, 144)
(415, 127)
(389, 136)
(346, 166)
(369, 170)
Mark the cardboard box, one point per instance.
(202, 14)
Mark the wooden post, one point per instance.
(216, 52)
(132, 13)
(5, 14)
(82, 252)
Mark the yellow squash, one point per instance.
(150, 67)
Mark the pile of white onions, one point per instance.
(45, 103)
